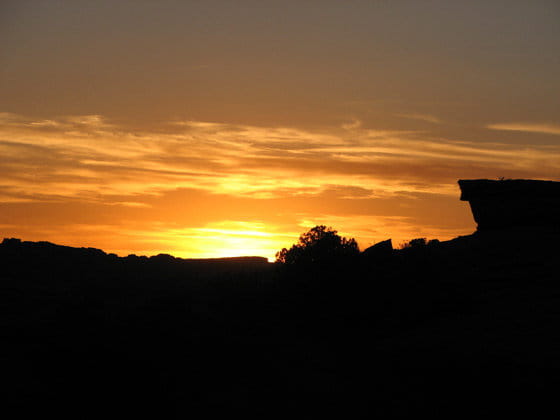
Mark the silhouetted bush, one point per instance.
(320, 246)
(420, 243)
(414, 243)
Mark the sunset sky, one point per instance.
(222, 128)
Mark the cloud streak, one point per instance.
(86, 157)
(553, 129)
(421, 117)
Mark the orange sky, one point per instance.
(229, 128)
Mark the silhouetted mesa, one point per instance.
(512, 203)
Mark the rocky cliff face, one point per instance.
(512, 203)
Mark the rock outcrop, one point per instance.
(380, 250)
(512, 203)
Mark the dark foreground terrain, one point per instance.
(465, 327)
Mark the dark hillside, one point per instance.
(465, 326)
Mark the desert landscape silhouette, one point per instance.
(279, 209)
(444, 328)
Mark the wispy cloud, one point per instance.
(353, 124)
(421, 117)
(527, 128)
(87, 157)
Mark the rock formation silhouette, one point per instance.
(512, 203)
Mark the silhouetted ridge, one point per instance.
(69, 264)
(49, 249)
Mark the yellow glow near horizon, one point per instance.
(219, 239)
(230, 243)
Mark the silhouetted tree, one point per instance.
(320, 245)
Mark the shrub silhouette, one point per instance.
(320, 245)
(419, 243)
(415, 243)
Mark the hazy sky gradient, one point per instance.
(220, 128)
